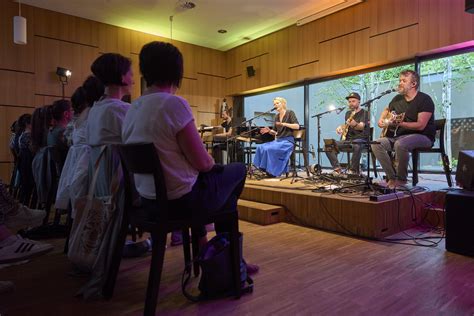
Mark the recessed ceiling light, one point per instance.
(222, 31)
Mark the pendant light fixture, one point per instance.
(19, 27)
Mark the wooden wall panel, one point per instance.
(113, 39)
(189, 91)
(394, 45)
(211, 61)
(388, 15)
(6, 169)
(210, 93)
(233, 60)
(444, 23)
(138, 39)
(344, 52)
(136, 88)
(14, 56)
(278, 58)
(233, 85)
(66, 27)
(306, 71)
(52, 53)
(303, 44)
(262, 70)
(190, 57)
(8, 115)
(17, 88)
(343, 22)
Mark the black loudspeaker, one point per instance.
(250, 71)
(470, 6)
(465, 170)
(460, 222)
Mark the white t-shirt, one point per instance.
(157, 118)
(104, 123)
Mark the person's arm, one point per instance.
(420, 124)
(381, 122)
(289, 125)
(193, 149)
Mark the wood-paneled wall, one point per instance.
(27, 72)
(372, 33)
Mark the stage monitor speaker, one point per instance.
(465, 170)
(250, 71)
(460, 222)
(470, 6)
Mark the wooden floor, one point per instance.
(303, 271)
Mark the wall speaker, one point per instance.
(250, 71)
(460, 222)
(465, 170)
(470, 6)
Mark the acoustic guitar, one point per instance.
(392, 120)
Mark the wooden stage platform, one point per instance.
(347, 213)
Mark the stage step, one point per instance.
(260, 213)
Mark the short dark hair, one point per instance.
(415, 77)
(161, 64)
(58, 108)
(109, 68)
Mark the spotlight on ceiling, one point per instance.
(63, 72)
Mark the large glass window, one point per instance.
(327, 95)
(257, 104)
(450, 82)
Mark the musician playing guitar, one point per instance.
(353, 134)
(416, 130)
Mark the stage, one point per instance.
(350, 211)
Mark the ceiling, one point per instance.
(244, 20)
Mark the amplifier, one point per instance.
(460, 222)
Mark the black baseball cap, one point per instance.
(354, 95)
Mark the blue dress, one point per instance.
(273, 156)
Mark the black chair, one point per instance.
(143, 159)
(440, 127)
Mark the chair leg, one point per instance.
(414, 159)
(374, 163)
(195, 245)
(447, 169)
(156, 267)
(109, 285)
(186, 248)
(236, 257)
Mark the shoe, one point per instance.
(252, 268)
(176, 238)
(136, 249)
(16, 248)
(336, 172)
(352, 172)
(25, 217)
(6, 287)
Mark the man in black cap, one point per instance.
(353, 133)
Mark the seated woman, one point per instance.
(61, 112)
(273, 157)
(73, 181)
(196, 186)
(220, 142)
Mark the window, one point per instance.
(450, 82)
(331, 94)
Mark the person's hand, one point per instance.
(264, 130)
(352, 123)
(339, 130)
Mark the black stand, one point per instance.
(318, 168)
(248, 123)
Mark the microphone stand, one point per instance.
(249, 131)
(318, 123)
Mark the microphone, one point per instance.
(271, 110)
(388, 91)
(339, 110)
